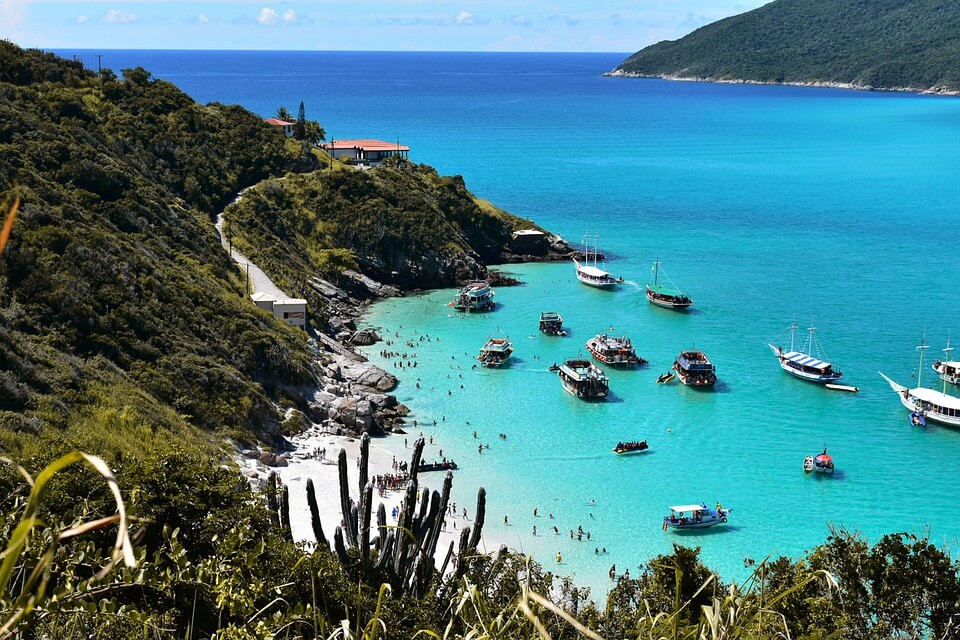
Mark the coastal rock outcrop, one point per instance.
(366, 376)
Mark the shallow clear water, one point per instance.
(765, 203)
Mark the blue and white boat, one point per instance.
(695, 516)
(803, 364)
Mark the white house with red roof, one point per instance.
(287, 127)
(365, 151)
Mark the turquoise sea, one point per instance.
(767, 204)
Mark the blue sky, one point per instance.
(424, 25)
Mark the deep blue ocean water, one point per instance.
(767, 204)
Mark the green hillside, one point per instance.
(883, 44)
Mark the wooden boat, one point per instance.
(823, 463)
(630, 447)
(551, 323)
(476, 296)
(584, 379)
(695, 516)
(616, 352)
(808, 464)
(928, 404)
(802, 364)
(663, 296)
(695, 370)
(495, 352)
(592, 274)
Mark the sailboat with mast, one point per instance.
(592, 274)
(927, 404)
(662, 295)
(803, 364)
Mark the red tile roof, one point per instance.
(366, 145)
(278, 123)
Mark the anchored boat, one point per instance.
(663, 296)
(927, 404)
(802, 364)
(476, 296)
(695, 370)
(695, 516)
(551, 323)
(808, 464)
(822, 462)
(616, 352)
(592, 274)
(583, 379)
(495, 352)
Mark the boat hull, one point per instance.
(667, 303)
(687, 523)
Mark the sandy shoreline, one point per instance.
(303, 464)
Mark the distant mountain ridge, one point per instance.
(907, 45)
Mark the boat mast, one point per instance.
(921, 348)
(656, 273)
(811, 329)
(596, 247)
(946, 358)
(793, 334)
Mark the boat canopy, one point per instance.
(804, 360)
(666, 291)
(587, 270)
(935, 397)
(688, 507)
(549, 315)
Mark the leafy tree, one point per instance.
(284, 114)
(300, 128)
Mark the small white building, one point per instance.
(290, 310)
(365, 151)
(283, 125)
(263, 300)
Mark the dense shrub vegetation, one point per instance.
(400, 223)
(114, 276)
(877, 43)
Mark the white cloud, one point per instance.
(289, 16)
(118, 16)
(467, 18)
(82, 19)
(267, 17)
(519, 21)
(202, 18)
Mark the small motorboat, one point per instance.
(823, 463)
(630, 447)
(808, 464)
(695, 516)
(917, 419)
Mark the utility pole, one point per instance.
(247, 287)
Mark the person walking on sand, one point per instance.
(505, 520)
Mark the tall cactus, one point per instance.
(315, 515)
(405, 554)
(285, 513)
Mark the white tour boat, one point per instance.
(695, 516)
(584, 379)
(476, 296)
(495, 352)
(802, 364)
(927, 404)
(592, 274)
